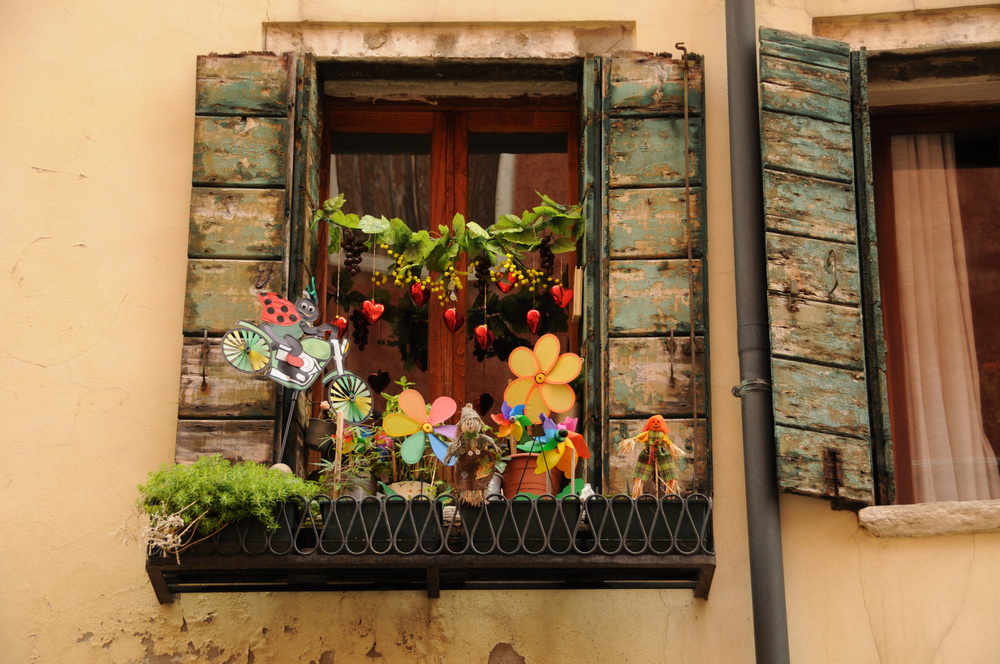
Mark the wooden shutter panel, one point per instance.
(650, 292)
(818, 280)
(240, 243)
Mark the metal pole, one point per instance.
(767, 582)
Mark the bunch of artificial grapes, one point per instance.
(360, 329)
(548, 258)
(353, 250)
(482, 273)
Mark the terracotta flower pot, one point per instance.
(520, 477)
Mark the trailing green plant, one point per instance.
(213, 492)
(503, 245)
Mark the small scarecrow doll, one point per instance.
(475, 455)
(659, 457)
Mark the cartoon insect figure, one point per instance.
(659, 457)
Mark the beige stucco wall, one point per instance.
(95, 155)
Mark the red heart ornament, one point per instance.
(379, 380)
(419, 294)
(483, 403)
(341, 324)
(561, 296)
(507, 282)
(534, 320)
(484, 337)
(372, 311)
(453, 319)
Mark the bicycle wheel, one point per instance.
(350, 396)
(246, 350)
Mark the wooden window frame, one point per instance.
(885, 125)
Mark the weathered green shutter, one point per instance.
(816, 275)
(646, 257)
(247, 186)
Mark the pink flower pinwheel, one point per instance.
(420, 426)
(568, 449)
(542, 377)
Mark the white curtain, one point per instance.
(952, 458)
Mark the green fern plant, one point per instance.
(213, 492)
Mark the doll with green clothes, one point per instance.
(658, 459)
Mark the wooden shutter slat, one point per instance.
(807, 78)
(652, 297)
(816, 332)
(653, 84)
(650, 152)
(242, 85)
(240, 151)
(243, 440)
(222, 292)
(639, 377)
(223, 392)
(821, 45)
(802, 205)
(818, 366)
(820, 270)
(649, 223)
(807, 146)
(237, 223)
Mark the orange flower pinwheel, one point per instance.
(420, 426)
(542, 377)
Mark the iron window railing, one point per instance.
(393, 543)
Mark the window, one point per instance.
(833, 289)
(424, 163)
(937, 183)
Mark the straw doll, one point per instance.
(475, 454)
(659, 457)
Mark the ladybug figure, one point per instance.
(286, 324)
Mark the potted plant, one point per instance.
(256, 506)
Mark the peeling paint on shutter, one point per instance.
(248, 208)
(817, 279)
(650, 292)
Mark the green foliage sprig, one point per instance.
(213, 492)
(505, 244)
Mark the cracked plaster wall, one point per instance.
(95, 179)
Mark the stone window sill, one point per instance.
(932, 519)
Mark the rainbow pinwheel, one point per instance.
(542, 377)
(557, 446)
(421, 426)
(512, 421)
(566, 441)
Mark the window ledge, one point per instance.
(932, 519)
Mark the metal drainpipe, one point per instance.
(770, 621)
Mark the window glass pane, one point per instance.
(381, 175)
(505, 172)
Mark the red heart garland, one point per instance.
(484, 337)
(341, 324)
(534, 320)
(372, 311)
(419, 294)
(561, 296)
(507, 282)
(453, 319)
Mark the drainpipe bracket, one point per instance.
(750, 386)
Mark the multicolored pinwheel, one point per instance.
(421, 426)
(512, 420)
(542, 377)
(569, 446)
